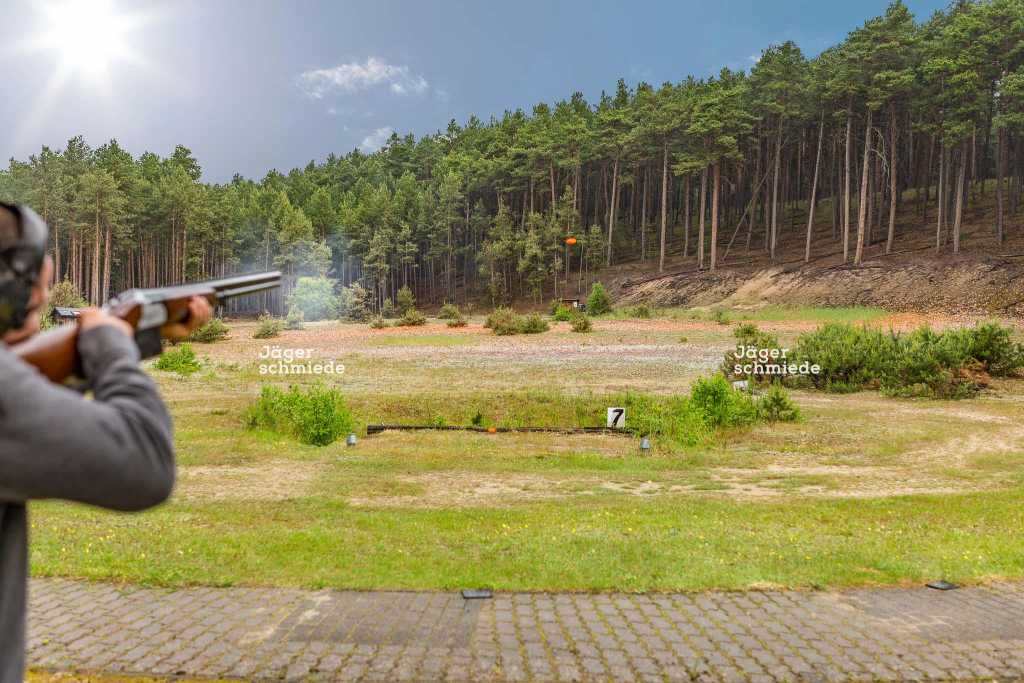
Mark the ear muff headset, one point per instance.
(20, 264)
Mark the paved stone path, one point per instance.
(260, 633)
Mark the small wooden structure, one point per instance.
(61, 314)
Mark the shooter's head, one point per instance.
(25, 271)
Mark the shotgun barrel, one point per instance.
(148, 311)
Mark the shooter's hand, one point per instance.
(88, 318)
(199, 313)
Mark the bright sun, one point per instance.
(88, 34)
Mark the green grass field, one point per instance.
(863, 489)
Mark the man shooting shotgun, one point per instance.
(114, 451)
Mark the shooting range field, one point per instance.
(863, 489)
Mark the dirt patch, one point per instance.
(466, 489)
(273, 480)
(982, 286)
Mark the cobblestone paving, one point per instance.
(261, 633)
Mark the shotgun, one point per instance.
(54, 353)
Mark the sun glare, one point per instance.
(89, 35)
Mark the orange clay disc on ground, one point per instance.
(492, 430)
(570, 241)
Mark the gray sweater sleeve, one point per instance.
(115, 451)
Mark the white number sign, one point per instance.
(616, 418)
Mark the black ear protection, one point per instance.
(20, 265)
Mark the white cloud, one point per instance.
(375, 140)
(353, 77)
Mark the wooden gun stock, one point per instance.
(54, 353)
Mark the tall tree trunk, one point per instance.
(892, 180)
(612, 209)
(846, 187)
(773, 241)
(958, 220)
(714, 214)
(1000, 172)
(664, 206)
(94, 293)
(686, 219)
(862, 211)
(643, 218)
(814, 191)
(939, 196)
(703, 210)
(106, 264)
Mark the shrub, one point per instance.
(563, 314)
(642, 311)
(354, 302)
(534, 324)
(387, 309)
(295, 320)
(213, 331)
(316, 416)
(504, 321)
(554, 305)
(991, 345)
(180, 359)
(776, 406)
(457, 322)
(598, 303)
(62, 295)
(267, 327)
(950, 364)
(314, 296)
(449, 312)
(748, 335)
(378, 322)
(722, 405)
(412, 318)
(404, 300)
(581, 323)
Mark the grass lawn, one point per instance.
(863, 490)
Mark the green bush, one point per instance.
(180, 359)
(642, 311)
(378, 322)
(554, 305)
(712, 403)
(387, 309)
(992, 346)
(722, 405)
(457, 322)
(598, 303)
(563, 314)
(949, 364)
(449, 312)
(404, 300)
(749, 336)
(295, 320)
(267, 327)
(412, 318)
(314, 296)
(581, 322)
(316, 416)
(504, 321)
(213, 331)
(62, 295)
(354, 302)
(534, 324)
(776, 406)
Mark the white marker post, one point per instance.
(616, 418)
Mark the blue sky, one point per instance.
(251, 85)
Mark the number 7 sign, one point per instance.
(616, 418)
